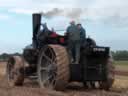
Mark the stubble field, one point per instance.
(120, 86)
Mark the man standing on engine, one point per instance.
(73, 35)
(82, 33)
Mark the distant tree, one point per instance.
(120, 55)
(4, 56)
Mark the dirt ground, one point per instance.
(120, 88)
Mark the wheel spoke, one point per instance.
(46, 81)
(47, 68)
(48, 59)
(44, 68)
(51, 75)
(51, 78)
(52, 54)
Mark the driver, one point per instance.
(42, 34)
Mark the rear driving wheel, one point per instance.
(53, 67)
(47, 68)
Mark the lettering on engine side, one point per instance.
(99, 49)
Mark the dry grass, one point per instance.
(121, 65)
(121, 82)
(2, 68)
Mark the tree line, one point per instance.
(120, 55)
(117, 55)
(5, 56)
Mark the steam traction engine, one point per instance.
(48, 61)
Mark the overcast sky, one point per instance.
(105, 20)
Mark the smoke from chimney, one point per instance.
(52, 13)
(74, 13)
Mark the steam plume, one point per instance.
(74, 13)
